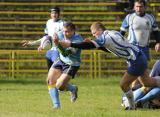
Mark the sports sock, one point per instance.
(53, 92)
(130, 98)
(139, 93)
(70, 87)
(150, 95)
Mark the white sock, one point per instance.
(130, 98)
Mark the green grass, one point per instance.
(97, 98)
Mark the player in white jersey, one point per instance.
(140, 25)
(53, 25)
(119, 46)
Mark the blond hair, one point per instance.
(97, 26)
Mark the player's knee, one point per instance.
(60, 85)
(50, 81)
(146, 84)
(124, 86)
(149, 83)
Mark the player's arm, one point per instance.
(157, 38)
(26, 43)
(125, 25)
(103, 49)
(122, 32)
(63, 51)
(83, 45)
(87, 45)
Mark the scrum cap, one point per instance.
(55, 9)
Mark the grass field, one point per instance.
(97, 98)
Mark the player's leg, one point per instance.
(153, 93)
(53, 75)
(136, 85)
(48, 59)
(49, 63)
(51, 56)
(63, 82)
(125, 86)
(139, 93)
(148, 81)
(135, 68)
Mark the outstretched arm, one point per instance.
(80, 45)
(83, 45)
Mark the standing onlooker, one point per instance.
(140, 25)
(131, 6)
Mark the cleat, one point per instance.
(130, 108)
(74, 94)
(56, 107)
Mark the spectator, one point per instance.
(140, 24)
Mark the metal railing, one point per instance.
(30, 63)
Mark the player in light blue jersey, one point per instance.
(66, 66)
(53, 25)
(119, 46)
(140, 25)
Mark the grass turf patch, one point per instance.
(97, 98)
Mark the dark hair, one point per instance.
(55, 9)
(69, 25)
(141, 1)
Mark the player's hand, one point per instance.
(25, 43)
(157, 47)
(65, 43)
(87, 40)
(55, 39)
(40, 49)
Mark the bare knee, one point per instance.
(60, 85)
(51, 80)
(124, 86)
(149, 83)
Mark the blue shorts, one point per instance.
(145, 50)
(52, 55)
(138, 66)
(65, 68)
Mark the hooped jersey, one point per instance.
(117, 44)
(139, 27)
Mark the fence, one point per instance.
(30, 63)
